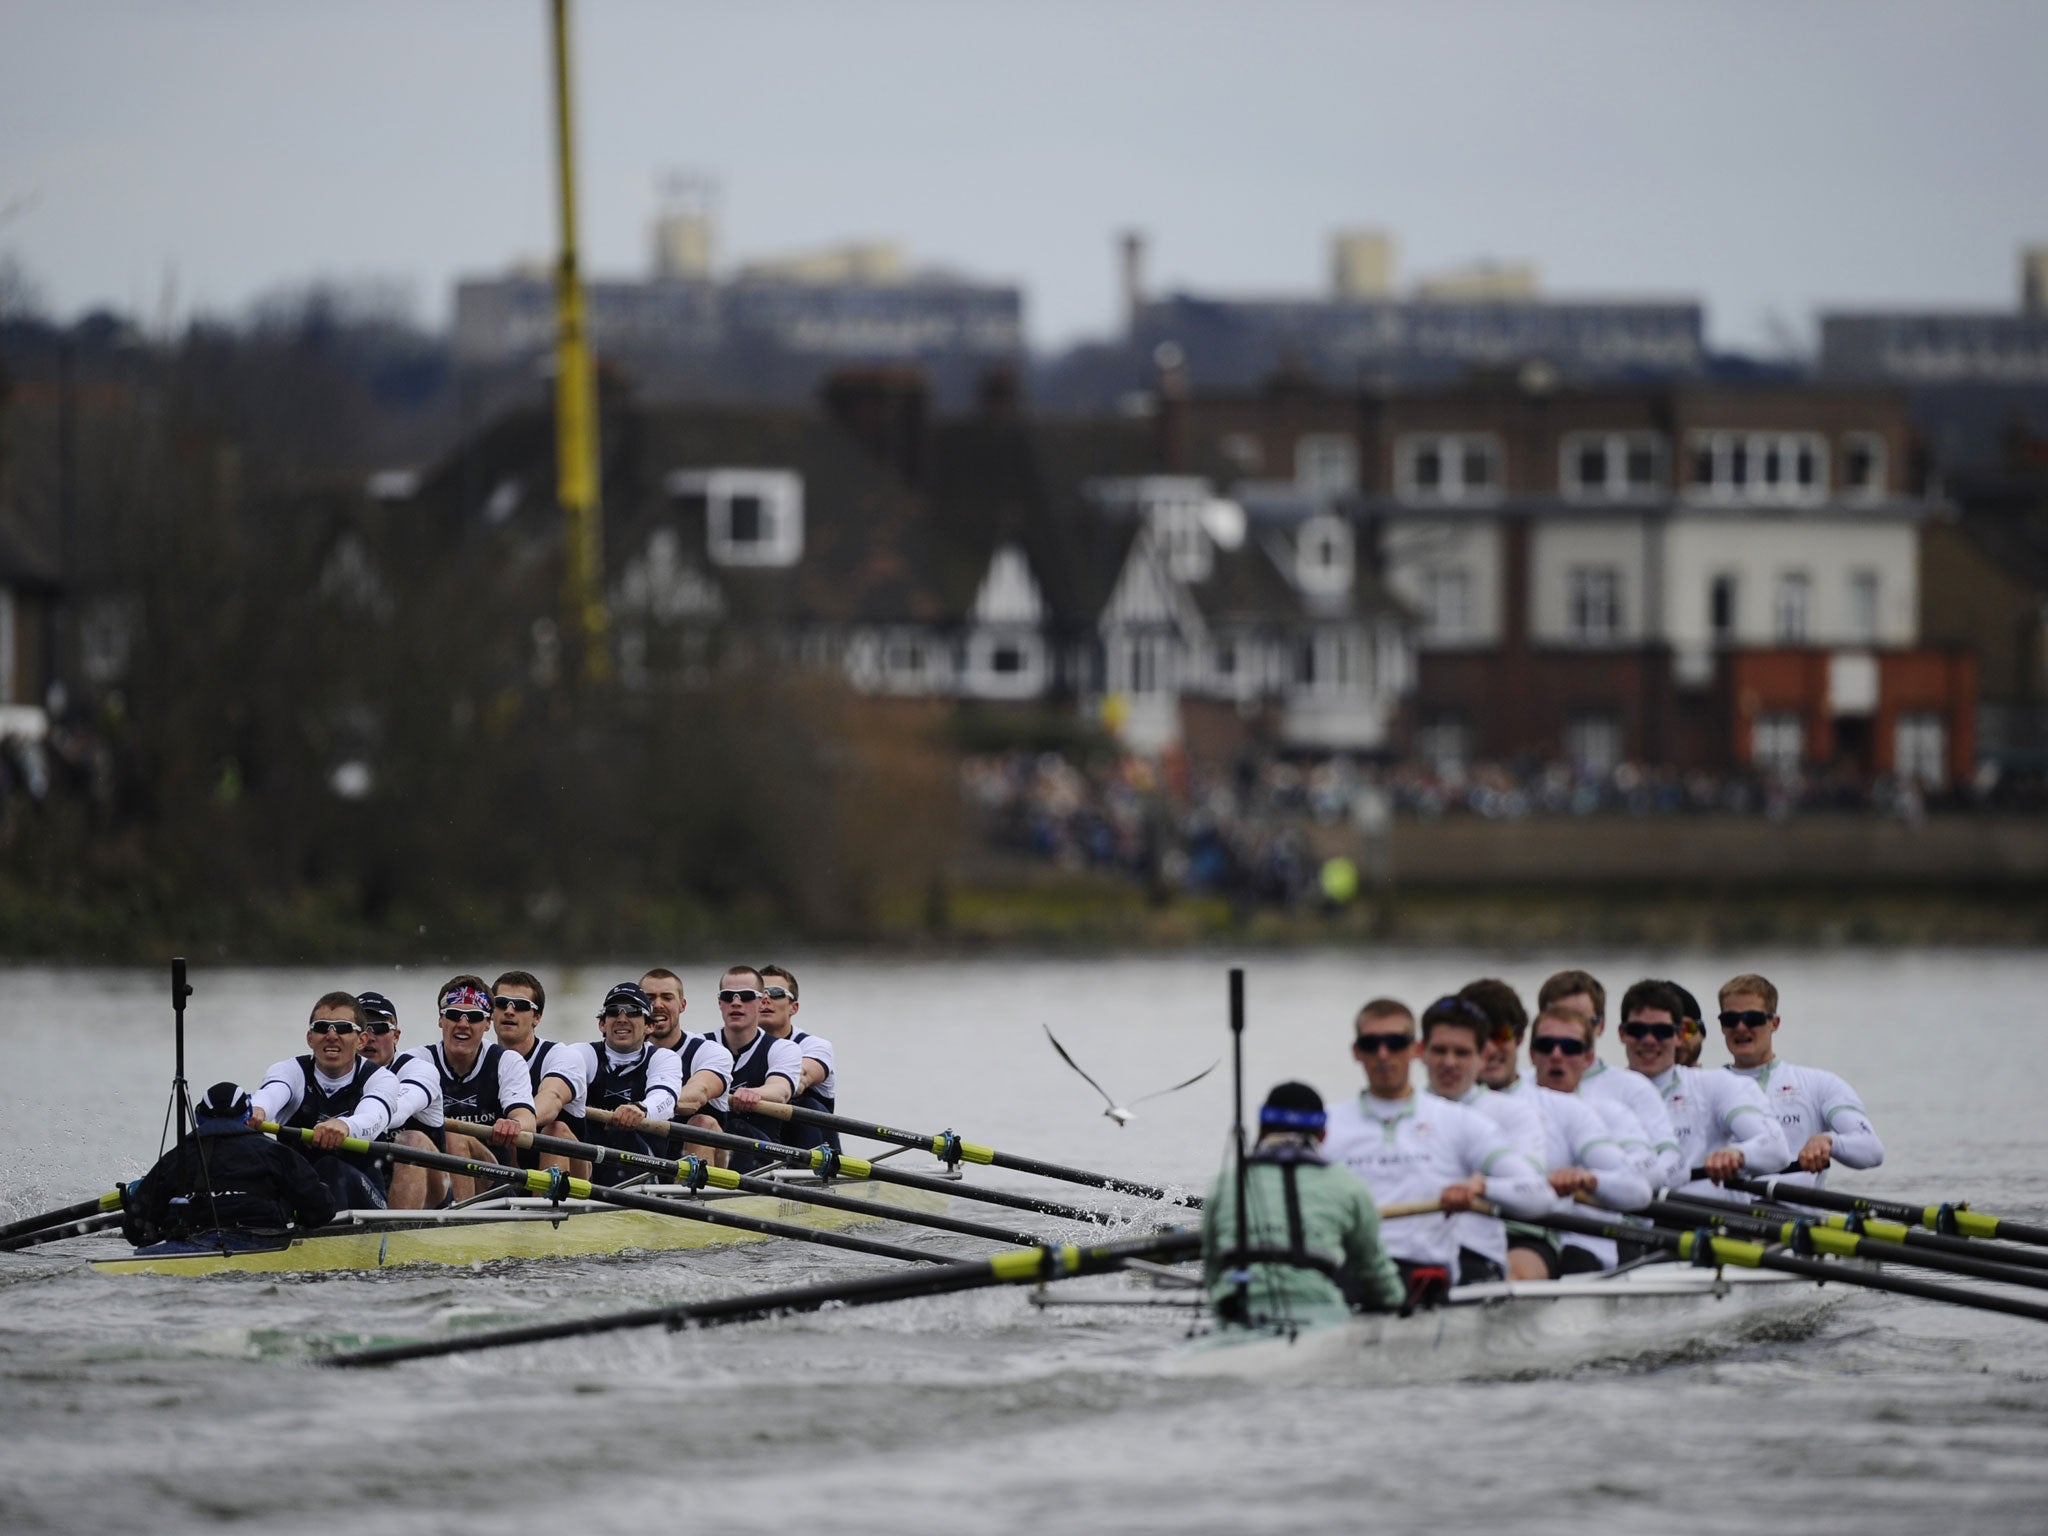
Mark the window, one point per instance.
(1777, 741)
(1006, 660)
(1758, 466)
(1612, 466)
(751, 516)
(1723, 597)
(1448, 467)
(746, 525)
(1594, 598)
(1322, 555)
(1920, 748)
(1863, 606)
(1592, 741)
(1863, 465)
(1794, 608)
(1447, 604)
(1326, 464)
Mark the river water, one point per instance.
(170, 1404)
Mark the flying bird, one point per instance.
(1118, 1112)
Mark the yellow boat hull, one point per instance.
(572, 1235)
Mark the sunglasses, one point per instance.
(1749, 1018)
(380, 1026)
(516, 1004)
(1651, 1031)
(739, 995)
(330, 1027)
(1372, 1045)
(1549, 1045)
(464, 1015)
(623, 1011)
(778, 993)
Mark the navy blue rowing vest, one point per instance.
(476, 1098)
(610, 1087)
(798, 1133)
(750, 1070)
(317, 1104)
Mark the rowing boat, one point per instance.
(1523, 1327)
(514, 1227)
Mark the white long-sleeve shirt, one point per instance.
(1410, 1149)
(284, 1089)
(664, 1075)
(1640, 1098)
(419, 1090)
(1808, 1102)
(1517, 1120)
(1582, 1136)
(1715, 1109)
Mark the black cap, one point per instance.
(377, 1005)
(1692, 1004)
(1292, 1107)
(223, 1101)
(628, 992)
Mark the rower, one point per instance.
(819, 1089)
(1314, 1245)
(225, 1187)
(628, 1075)
(1821, 1116)
(1718, 1118)
(416, 1114)
(335, 1094)
(1456, 1034)
(1583, 1151)
(706, 1064)
(554, 1072)
(479, 1081)
(1409, 1147)
(1692, 1030)
(664, 989)
(1581, 990)
(763, 1067)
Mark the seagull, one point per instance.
(1117, 1112)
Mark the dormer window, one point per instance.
(752, 517)
(1323, 556)
(1448, 466)
(1612, 466)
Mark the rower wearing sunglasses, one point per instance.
(334, 1093)
(480, 1079)
(1593, 1148)
(415, 1114)
(1822, 1117)
(1602, 1084)
(1719, 1119)
(1411, 1146)
(819, 1089)
(554, 1070)
(764, 1067)
(627, 1074)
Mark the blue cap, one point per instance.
(378, 1005)
(628, 992)
(223, 1101)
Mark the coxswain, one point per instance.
(554, 1070)
(1456, 1034)
(481, 1081)
(1583, 991)
(1418, 1147)
(415, 1117)
(763, 1067)
(334, 1093)
(1822, 1117)
(819, 1089)
(1592, 1148)
(1312, 1250)
(1692, 1029)
(629, 1076)
(1719, 1118)
(226, 1186)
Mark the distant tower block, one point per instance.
(1131, 249)
(1362, 264)
(2034, 279)
(685, 228)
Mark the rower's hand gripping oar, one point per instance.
(953, 1151)
(826, 1163)
(698, 1174)
(556, 1185)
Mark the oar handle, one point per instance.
(1411, 1208)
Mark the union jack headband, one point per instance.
(466, 996)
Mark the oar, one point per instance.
(1023, 1266)
(76, 1228)
(696, 1173)
(948, 1148)
(1956, 1220)
(1810, 1237)
(554, 1183)
(98, 1205)
(1885, 1231)
(823, 1160)
(1704, 1247)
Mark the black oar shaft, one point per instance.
(98, 1205)
(1023, 1267)
(1955, 1220)
(725, 1178)
(543, 1182)
(1887, 1231)
(61, 1231)
(950, 1148)
(824, 1160)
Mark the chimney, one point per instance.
(2034, 279)
(1133, 248)
(884, 410)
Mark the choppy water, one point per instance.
(170, 1404)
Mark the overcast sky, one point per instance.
(1769, 158)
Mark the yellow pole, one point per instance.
(576, 477)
